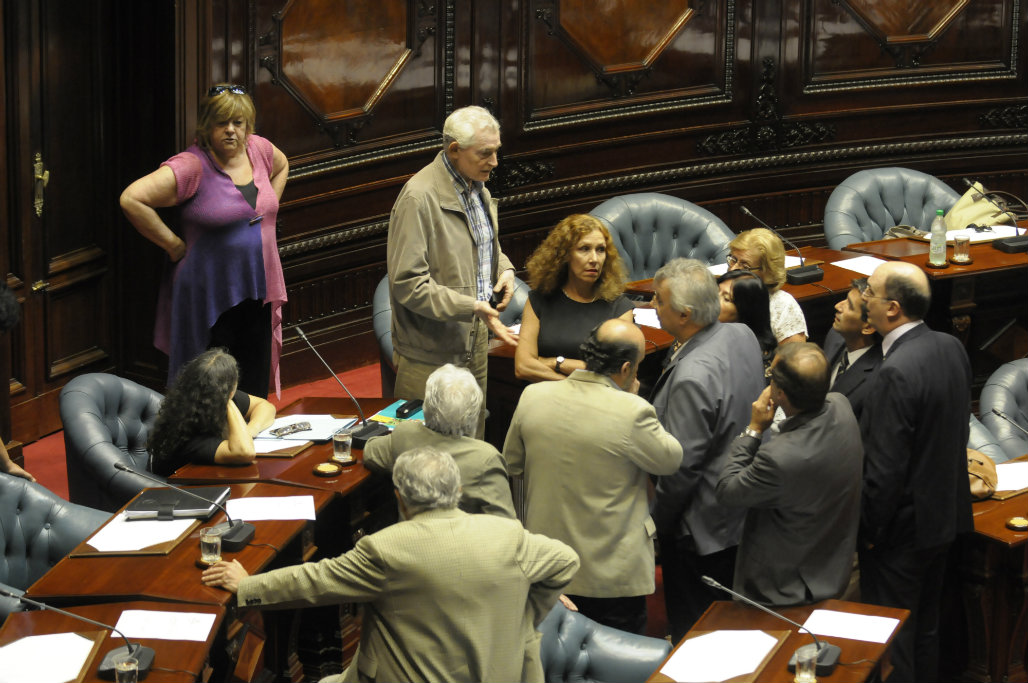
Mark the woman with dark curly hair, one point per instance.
(744, 299)
(577, 281)
(205, 419)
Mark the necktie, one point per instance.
(844, 363)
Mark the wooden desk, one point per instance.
(173, 577)
(994, 574)
(190, 658)
(866, 657)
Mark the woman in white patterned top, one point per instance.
(760, 251)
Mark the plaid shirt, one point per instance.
(470, 195)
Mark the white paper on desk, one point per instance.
(33, 658)
(718, 656)
(141, 623)
(1011, 476)
(265, 446)
(826, 622)
(322, 427)
(122, 535)
(865, 265)
(273, 507)
(996, 232)
(647, 317)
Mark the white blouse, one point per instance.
(786, 316)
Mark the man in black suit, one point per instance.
(916, 498)
(853, 348)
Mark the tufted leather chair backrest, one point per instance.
(576, 648)
(107, 419)
(864, 206)
(981, 439)
(37, 528)
(649, 229)
(1007, 390)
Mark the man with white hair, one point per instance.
(453, 401)
(703, 397)
(452, 596)
(444, 260)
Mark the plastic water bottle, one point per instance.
(937, 247)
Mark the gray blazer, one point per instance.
(703, 398)
(802, 488)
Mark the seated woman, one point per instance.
(205, 419)
(577, 281)
(760, 251)
(744, 299)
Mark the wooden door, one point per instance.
(62, 200)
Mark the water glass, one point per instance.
(806, 664)
(341, 447)
(961, 249)
(210, 545)
(126, 669)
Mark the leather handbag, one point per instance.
(974, 207)
(981, 472)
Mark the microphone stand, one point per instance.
(801, 275)
(143, 655)
(235, 534)
(998, 412)
(827, 654)
(367, 429)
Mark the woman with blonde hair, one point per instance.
(578, 281)
(224, 286)
(760, 251)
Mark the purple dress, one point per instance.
(229, 258)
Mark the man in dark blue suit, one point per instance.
(916, 498)
(853, 348)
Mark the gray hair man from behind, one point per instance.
(426, 479)
(453, 401)
(693, 288)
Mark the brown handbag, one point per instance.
(981, 472)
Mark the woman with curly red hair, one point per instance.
(577, 280)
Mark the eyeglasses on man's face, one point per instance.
(234, 89)
(869, 293)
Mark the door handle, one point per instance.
(40, 179)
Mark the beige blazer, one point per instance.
(586, 447)
(483, 474)
(450, 596)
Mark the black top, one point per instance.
(565, 323)
(201, 449)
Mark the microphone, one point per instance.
(1008, 245)
(142, 654)
(235, 534)
(368, 429)
(801, 275)
(996, 411)
(827, 654)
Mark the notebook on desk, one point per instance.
(169, 503)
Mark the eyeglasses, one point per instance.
(234, 89)
(868, 293)
(733, 262)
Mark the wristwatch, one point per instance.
(556, 366)
(751, 432)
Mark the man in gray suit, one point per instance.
(586, 445)
(802, 486)
(703, 398)
(451, 596)
(453, 402)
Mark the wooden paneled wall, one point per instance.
(767, 103)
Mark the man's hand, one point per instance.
(763, 413)
(505, 283)
(227, 575)
(492, 320)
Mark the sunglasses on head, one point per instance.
(234, 89)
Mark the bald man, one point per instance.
(916, 498)
(586, 445)
(801, 485)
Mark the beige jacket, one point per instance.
(432, 266)
(586, 447)
(449, 597)
(483, 474)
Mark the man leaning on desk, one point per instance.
(451, 596)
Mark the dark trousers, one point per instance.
(625, 614)
(245, 331)
(908, 579)
(686, 597)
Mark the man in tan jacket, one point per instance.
(586, 445)
(450, 596)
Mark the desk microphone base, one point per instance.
(235, 536)
(367, 431)
(1011, 245)
(142, 655)
(804, 275)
